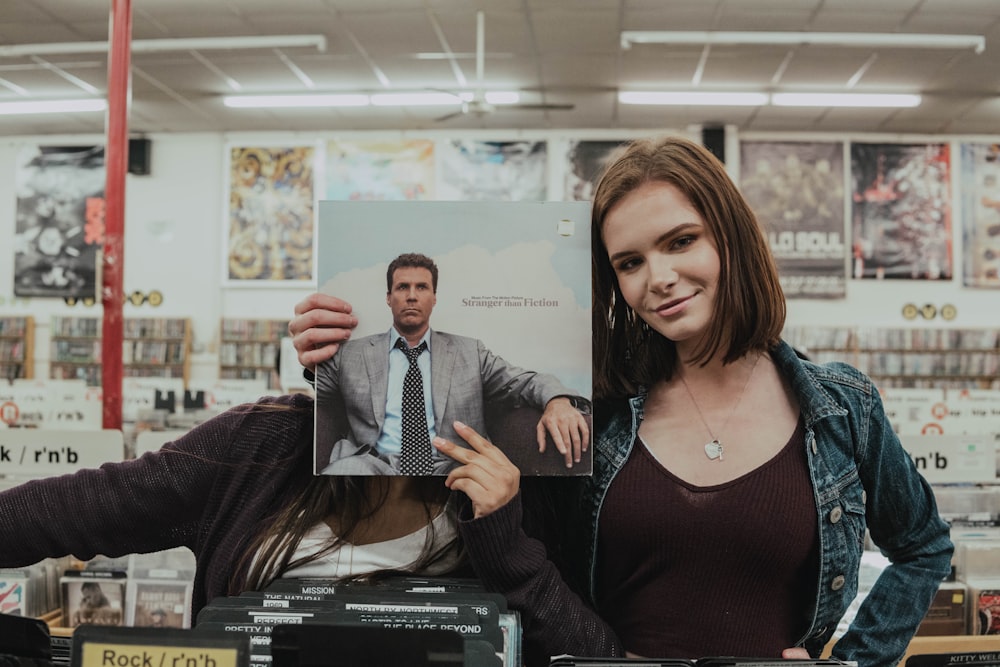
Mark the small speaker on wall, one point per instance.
(139, 155)
(713, 137)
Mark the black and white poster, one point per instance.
(59, 231)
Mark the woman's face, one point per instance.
(665, 260)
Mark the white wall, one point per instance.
(174, 234)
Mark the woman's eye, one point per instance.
(628, 264)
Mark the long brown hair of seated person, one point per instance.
(356, 508)
(359, 510)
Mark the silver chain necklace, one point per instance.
(714, 448)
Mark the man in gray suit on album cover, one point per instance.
(377, 384)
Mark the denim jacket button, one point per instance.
(837, 583)
(835, 514)
(864, 497)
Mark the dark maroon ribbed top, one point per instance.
(687, 571)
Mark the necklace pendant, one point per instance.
(713, 450)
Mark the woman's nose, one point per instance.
(662, 272)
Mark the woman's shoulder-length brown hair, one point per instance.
(749, 309)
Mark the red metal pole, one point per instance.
(116, 161)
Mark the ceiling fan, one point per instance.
(478, 105)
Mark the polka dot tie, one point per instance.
(415, 453)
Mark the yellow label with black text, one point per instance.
(97, 654)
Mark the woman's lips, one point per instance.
(673, 307)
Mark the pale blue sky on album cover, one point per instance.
(507, 274)
(378, 231)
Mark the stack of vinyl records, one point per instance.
(62, 649)
(489, 632)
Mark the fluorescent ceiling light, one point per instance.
(294, 101)
(52, 106)
(306, 101)
(714, 98)
(844, 100)
(170, 44)
(415, 99)
(850, 39)
(693, 98)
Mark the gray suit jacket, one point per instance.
(351, 387)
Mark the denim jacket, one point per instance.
(862, 479)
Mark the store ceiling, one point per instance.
(561, 52)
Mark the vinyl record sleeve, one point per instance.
(511, 309)
(163, 603)
(93, 598)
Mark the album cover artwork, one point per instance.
(508, 316)
(98, 600)
(159, 603)
(14, 598)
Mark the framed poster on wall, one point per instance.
(980, 192)
(59, 229)
(585, 161)
(379, 170)
(270, 223)
(473, 170)
(796, 189)
(901, 214)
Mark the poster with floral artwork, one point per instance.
(270, 226)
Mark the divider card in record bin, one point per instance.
(34, 453)
(911, 409)
(42, 403)
(948, 459)
(102, 646)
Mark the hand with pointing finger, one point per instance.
(485, 474)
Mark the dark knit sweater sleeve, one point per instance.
(141, 505)
(554, 619)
